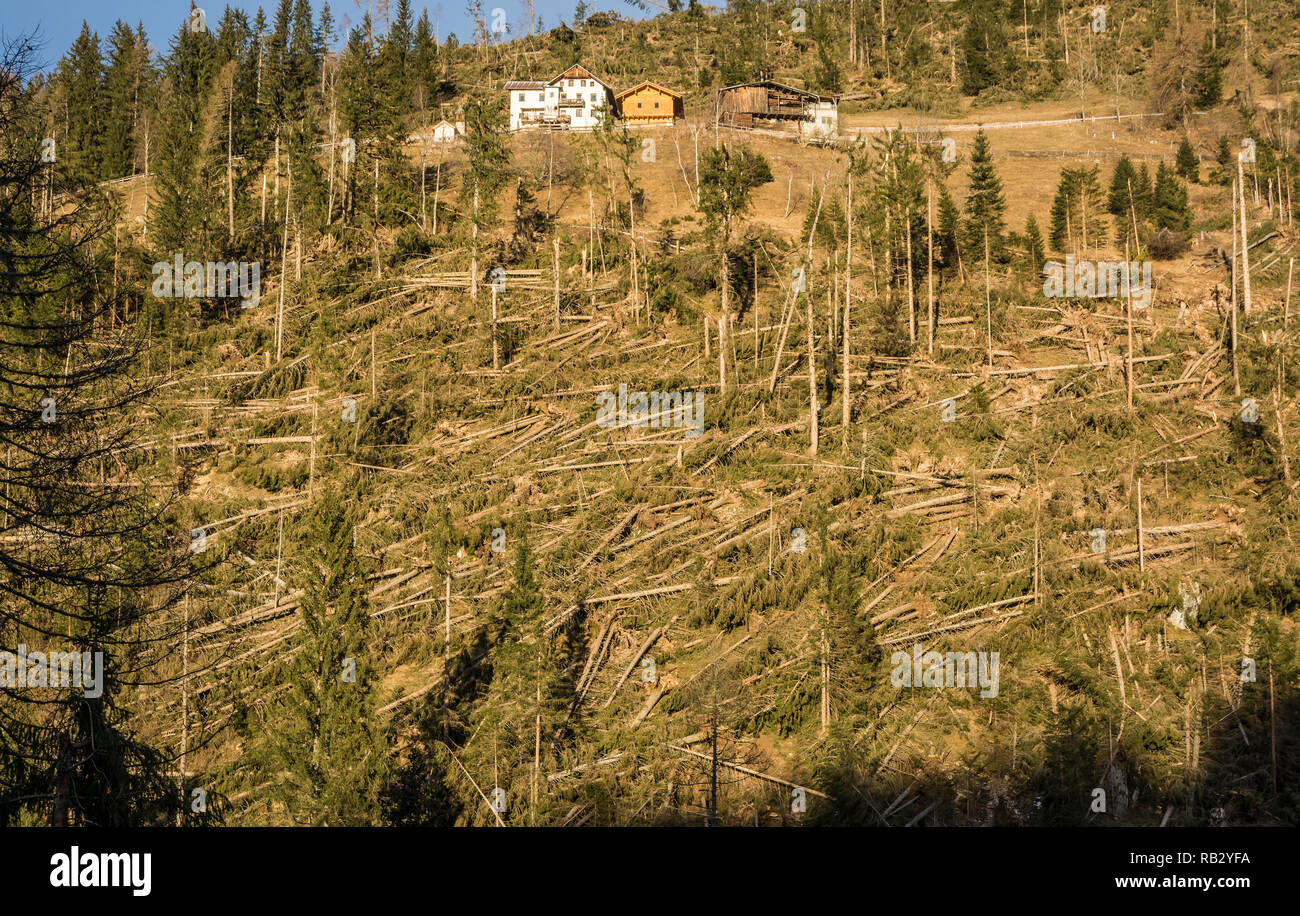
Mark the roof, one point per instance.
(577, 71)
(803, 93)
(662, 88)
(524, 84)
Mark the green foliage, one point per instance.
(319, 733)
(985, 204)
(1188, 164)
(1077, 221)
(984, 48)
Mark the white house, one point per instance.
(825, 118)
(574, 100)
(446, 132)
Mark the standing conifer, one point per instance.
(1034, 248)
(986, 204)
(319, 733)
(1188, 164)
(80, 76)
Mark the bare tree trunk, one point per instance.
(557, 280)
(929, 245)
(284, 273)
(437, 187)
(812, 384)
(911, 292)
(722, 318)
(230, 179)
(473, 260)
(848, 301)
(988, 299)
(1245, 240)
(1236, 376)
(496, 350)
(1128, 313)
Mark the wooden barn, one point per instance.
(776, 106)
(649, 103)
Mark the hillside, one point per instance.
(428, 562)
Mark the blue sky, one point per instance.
(59, 21)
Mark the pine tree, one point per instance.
(526, 710)
(1207, 78)
(396, 58)
(1171, 209)
(728, 180)
(123, 85)
(1188, 164)
(983, 48)
(1123, 184)
(424, 67)
(1225, 169)
(1128, 200)
(1144, 195)
(325, 33)
(80, 76)
(104, 575)
(986, 204)
(318, 733)
(1078, 210)
(186, 215)
(487, 160)
(948, 236)
(1034, 249)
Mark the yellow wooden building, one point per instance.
(649, 103)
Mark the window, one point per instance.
(593, 97)
(541, 96)
(656, 104)
(638, 104)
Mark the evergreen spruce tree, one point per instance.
(187, 214)
(985, 204)
(81, 78)
(1171, 208)
(1207, 79)
(487, 162)
(103, 571)
(124, 89)
(1128, 201)
(424, 68)
(318, 736)
(1187, 163)
(1078, 211)
(325, 33)
(948, 237)
(1144, 195)
(983, 47)
(1123, 185)
(1225, 168)
(397, 56)
(532, 690)
(1059, 231)
(1034, 248)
